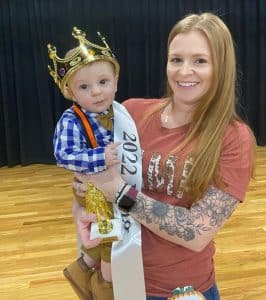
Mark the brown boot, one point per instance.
(79, 276)
(103, 290)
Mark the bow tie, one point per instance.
(106, 120)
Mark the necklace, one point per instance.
(165, 116)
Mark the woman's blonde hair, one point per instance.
(216, 109)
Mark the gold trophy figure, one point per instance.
(106, 227)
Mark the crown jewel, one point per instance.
(85, 53)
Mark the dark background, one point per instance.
(30, 103)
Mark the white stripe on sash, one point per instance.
(126, 256)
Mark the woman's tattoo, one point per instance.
(215, 205)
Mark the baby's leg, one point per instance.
(106, 261)
(106, 271)
(102, 289)
(79, 276)
(89, 261)
(80, 271)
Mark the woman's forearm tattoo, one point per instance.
(215, 205)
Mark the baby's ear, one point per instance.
(68, 93)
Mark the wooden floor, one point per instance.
(37, 237)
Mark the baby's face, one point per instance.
(94, 86)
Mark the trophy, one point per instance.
(107, 227)
(186, 293)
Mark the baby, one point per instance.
(83, 138)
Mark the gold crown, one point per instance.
(85, 53)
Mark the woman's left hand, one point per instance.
(108, 181)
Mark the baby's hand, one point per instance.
(111, 154)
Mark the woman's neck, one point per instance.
(174, 116)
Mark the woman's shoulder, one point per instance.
(141, 104)
(136, 103)
(237, 158)
(238, 141)
(238, 131)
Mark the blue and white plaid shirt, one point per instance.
(71, 149)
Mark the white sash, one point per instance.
(126, 256)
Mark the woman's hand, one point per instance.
(83, 222)
(108, 181)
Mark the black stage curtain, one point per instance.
(30, 103)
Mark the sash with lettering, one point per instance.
(126, 255)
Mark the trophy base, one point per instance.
(114, 235)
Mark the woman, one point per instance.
(198, 158)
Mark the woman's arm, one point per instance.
(192, 228)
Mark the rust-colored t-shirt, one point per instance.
(167, 265)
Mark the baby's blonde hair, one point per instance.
(69, 53)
